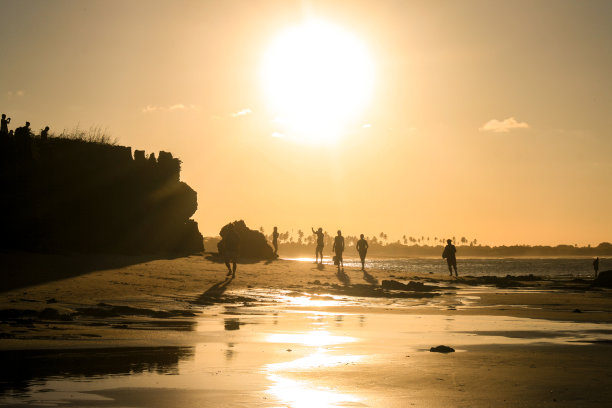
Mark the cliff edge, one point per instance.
(77, 195)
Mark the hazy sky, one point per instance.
(486, 119)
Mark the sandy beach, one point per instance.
(131, 331)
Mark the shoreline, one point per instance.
(305, 258)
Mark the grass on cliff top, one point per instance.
(95, 134)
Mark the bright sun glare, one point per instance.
(317, 79)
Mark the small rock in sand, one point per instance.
(442, 349)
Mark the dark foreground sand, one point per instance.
(108, 331)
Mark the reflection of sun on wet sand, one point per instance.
(288, 332)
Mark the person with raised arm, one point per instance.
(320, 244)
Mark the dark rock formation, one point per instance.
(74, 195)
(604, 279)
(442, 349)
(412, 286)
(508, 281)
(253, 244)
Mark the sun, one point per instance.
(317, 79)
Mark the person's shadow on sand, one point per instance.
(343, 278)
(320, 267)
(217, 258)
(369, 278)
(213, 293)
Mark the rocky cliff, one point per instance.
(75, 195)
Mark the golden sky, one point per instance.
(485, 119)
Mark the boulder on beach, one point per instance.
(604, 279)
(252, 244)
(442, 349)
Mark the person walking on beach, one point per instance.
(362, 248)
(275, 241)
(319, 249)
(229, 245)
(596, 266)
(338, 248)
(451, 259)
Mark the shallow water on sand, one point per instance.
(545, 267)
(272, 355)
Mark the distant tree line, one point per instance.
(301, 243)
(399, 250)
(378, 239)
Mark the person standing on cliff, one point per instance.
(320, 244)
(596, 266)
(4, 125)
(451, 259)
(23, 131)
(22, 140)
(44, 133)
(275, 241)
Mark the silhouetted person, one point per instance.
(449, 254)
(596, 266)
(22, 139)
(362, 248)
(320, 244)
(338, 248)
(4, 125)
(275, 241)
(44, 133)
(23, 132)
(229, 246)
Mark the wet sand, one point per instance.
(162, 333)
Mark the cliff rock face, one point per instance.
(252, 244)
(64, 194)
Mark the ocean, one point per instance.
(562, 268)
